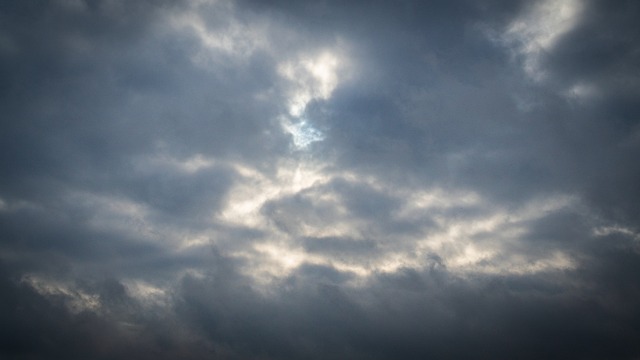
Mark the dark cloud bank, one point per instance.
(319, 179)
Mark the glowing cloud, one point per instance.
(311, 78)
(538, 30)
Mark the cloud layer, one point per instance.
(276, 180)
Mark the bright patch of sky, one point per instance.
(538, 30)
(311, 78)
(303, 133)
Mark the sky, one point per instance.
(247, 179)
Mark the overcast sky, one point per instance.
(218, 179)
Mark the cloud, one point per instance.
(275, 180)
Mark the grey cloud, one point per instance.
(90, 106)
(38, 328)
(154, 205)
(414, 314)
(339, 247)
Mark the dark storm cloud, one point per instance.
(35, 327)
(438, 107)
(408, 314)
(95, 100)
(103, 86)
(418, 314)
(602, 52)
(93, 94)
(474, 195)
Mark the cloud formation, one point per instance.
(275, 180)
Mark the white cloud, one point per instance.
(536, 32)
(454, 239)
(233, 38)
(311, 77)
(76, 300)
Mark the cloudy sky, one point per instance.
(219, 179)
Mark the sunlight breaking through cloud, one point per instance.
(535, 33)
(312, 79)
(246, 179)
